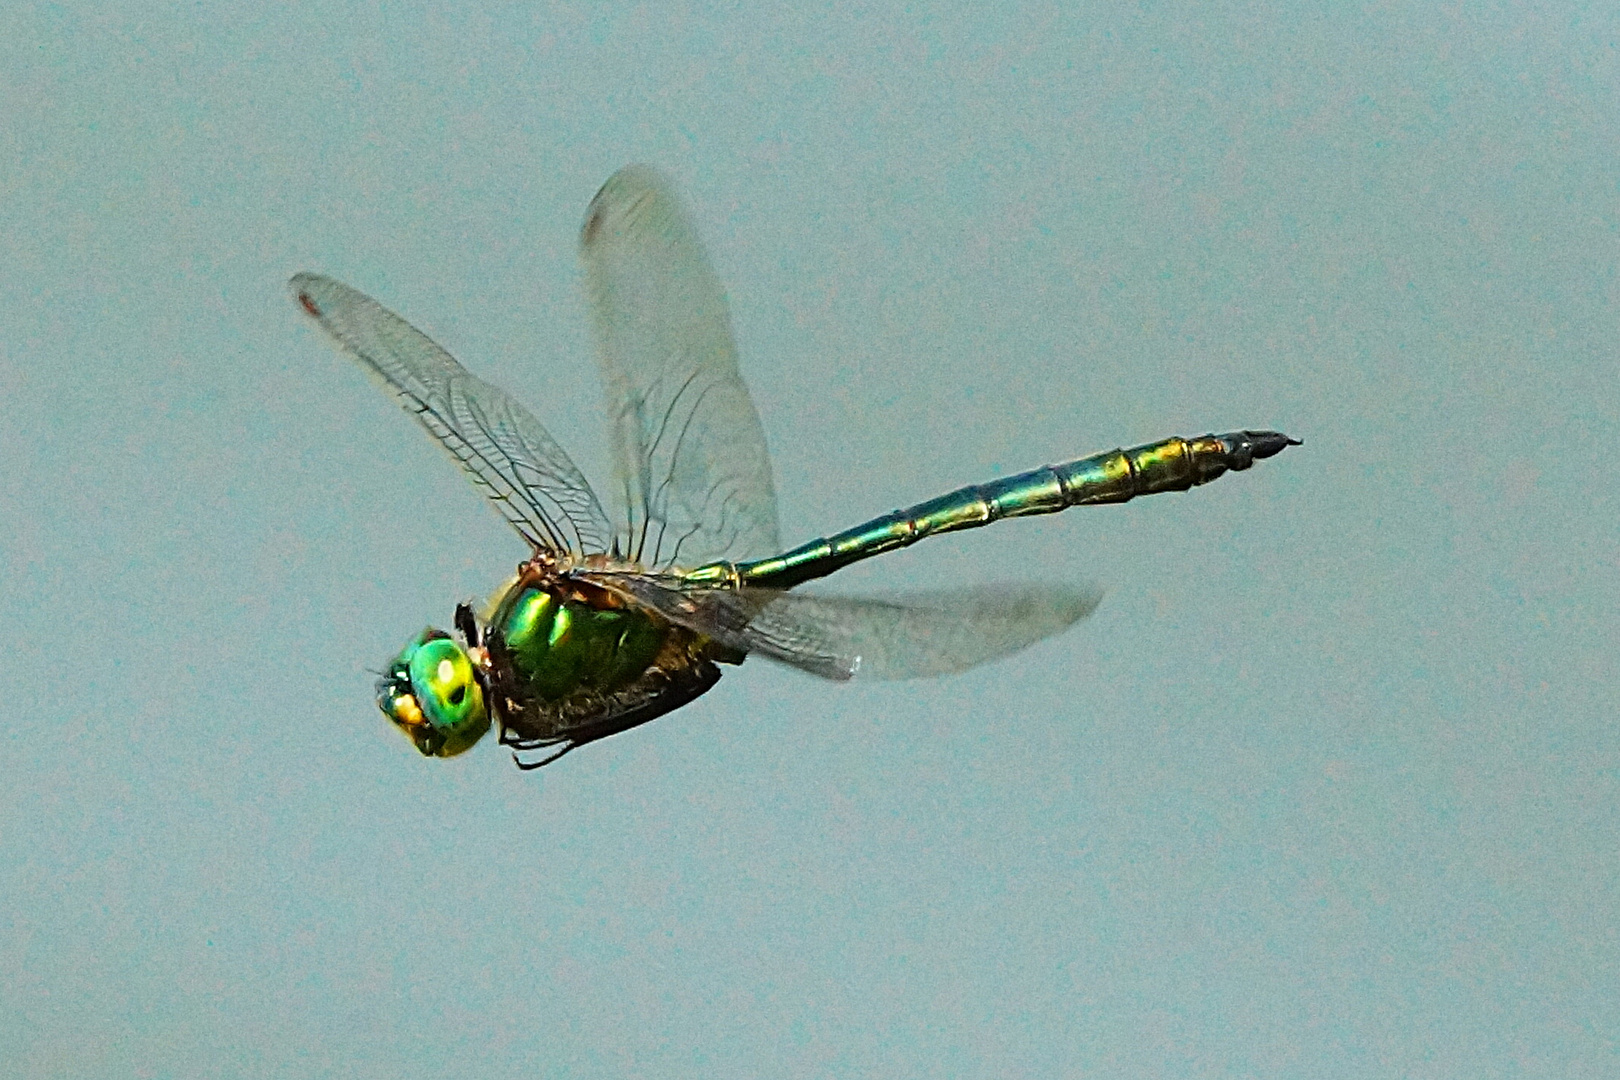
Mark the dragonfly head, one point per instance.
(434, 693)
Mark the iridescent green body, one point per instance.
(611, 623)
(566, 648)
(559, 645)
(569, 661)
(1173, 464)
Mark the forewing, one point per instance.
(693, 475)
(504, 449)
(907, 636)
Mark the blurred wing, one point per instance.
(693, 475)
(914, 635)
(838, 637)
(506, 451)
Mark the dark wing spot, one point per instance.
(593, 225)
(309, 304)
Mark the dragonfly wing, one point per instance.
(693, 475)
(507, 452)
(907, 636)
(913, 635)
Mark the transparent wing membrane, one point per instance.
(693, 478)
(504, 449)
(906, 636)
(914, 635)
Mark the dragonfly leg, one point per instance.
(526, 766)
(521, 745)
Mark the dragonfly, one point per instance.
(610, 622)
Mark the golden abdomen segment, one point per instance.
(1171, 465)
(1174, 464)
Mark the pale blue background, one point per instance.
(1327, 787)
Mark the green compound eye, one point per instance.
(431, 692)
(446, 688)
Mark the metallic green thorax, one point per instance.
(1174, 464)
(562, 645)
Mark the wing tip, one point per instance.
(625, 196)
(1083, 600)
(304, 286)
